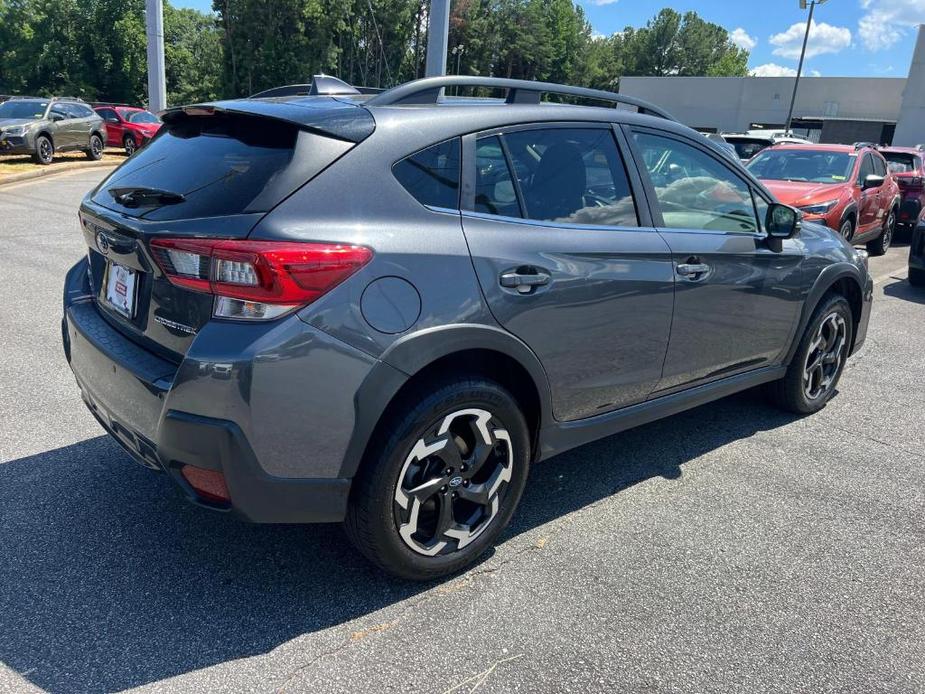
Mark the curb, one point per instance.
(51, 170)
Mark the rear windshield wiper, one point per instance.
(145, 197)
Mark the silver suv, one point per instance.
(384, 310)
(41, 127)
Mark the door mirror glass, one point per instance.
(56, 117)
(782, 221)
(872, 181)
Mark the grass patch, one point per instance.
(10, 165)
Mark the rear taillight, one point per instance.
(257, 280)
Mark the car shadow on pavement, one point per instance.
(109, 580)
(901, 289)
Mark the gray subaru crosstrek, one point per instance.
(41, 127)
(382, 310)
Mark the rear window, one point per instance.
(218, 165)
(747, 148)
(900, 162)
(432, 175)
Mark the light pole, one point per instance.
(154, 28)
(458, 51)
(438, 31)
(796, 82)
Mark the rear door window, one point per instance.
(494, 185)
(571, 176)
(432, 175)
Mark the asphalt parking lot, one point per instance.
(729, 549)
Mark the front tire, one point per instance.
(441, 479)
(95, 152)
(44, 150)
(846, 230)
(881, 244)
(130, 145)
(813, 374)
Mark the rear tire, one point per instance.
(44, 150)
(881, 244)
(435, 444)
(95, 152)
(916, 277)
(816, 367)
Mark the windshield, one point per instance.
(23, 109)
(746, 149)
(900, 162)
(802, 165)
(141, 117)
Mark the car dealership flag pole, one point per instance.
(438, 31)
(796, 82)
(154, 28)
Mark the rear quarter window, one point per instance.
(432, 175)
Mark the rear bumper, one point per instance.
(142, 401)
(909, 211)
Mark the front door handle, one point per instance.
(524, 282)
(692, 270)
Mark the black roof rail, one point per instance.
(427, 91)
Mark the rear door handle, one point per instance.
(524, 282)
(691, 270)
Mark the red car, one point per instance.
(128, 127)
(907, 164)
(848, 188)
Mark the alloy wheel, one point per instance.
(888, 230)
(129, 146)
(45, 150)
(96, 146)
(453, 482)
(846, 229)
(825, 356)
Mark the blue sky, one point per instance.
(850, 37)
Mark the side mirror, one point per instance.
(56, 117)
(872, 181)
(782, 221)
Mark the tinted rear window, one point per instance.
(221, 165)
(900, 162)
(432, 175)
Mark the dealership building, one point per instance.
(887, 110)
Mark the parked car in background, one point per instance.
(907, 164)
(42, 126)
(127, 126)
(720, 142)
(847, 188)
(747, 145)
(917, 253)
(383, 310)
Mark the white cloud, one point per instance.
(772, 70)
(603, 2)
(814, 73)
(823, 38)
(741, 39)
(886, 21)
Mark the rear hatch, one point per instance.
(211, 173)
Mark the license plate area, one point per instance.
(121, 289)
